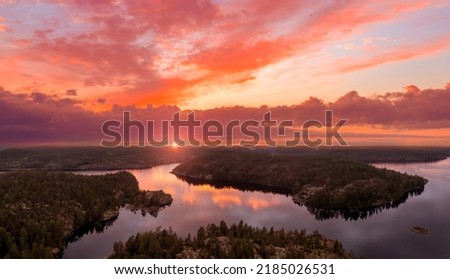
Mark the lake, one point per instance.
(384, 233)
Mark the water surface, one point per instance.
(383, 234)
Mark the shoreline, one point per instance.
(6, 170)
(296, 200)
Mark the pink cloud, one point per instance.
(138, 51)
(3, 27)
(399, 53)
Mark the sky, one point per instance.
(67, 66)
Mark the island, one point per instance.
(316, 181)
(420, 230)
(237, 241)
(41, 211)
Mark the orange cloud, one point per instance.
(239, 56)
(36, 117)
(137, 52)
(412, 89)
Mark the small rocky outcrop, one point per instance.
(151, 201)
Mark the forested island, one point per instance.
(41, 211)
(237, 241)
(313, 180)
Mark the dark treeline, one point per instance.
(88, 158)
(347, 184)
(372, 154)
(365, 154)
(239, 241)
(100, 158)
(41, 210)
(244, 187)
(317, 181)
(358, 213)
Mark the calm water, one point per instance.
(384, 234)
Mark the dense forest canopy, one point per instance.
(240, 241)
(314, 180)
(40, 210)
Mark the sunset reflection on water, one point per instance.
(384, 234)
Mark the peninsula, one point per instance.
(41, 211)
(236, 241)
(312, 180)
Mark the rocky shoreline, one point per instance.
(149, 202)
(235, 241)
(302, 197)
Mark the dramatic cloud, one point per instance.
(168, 52)
(39, 118)
(70, 65)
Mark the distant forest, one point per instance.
(87, 158)
(100, 158)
